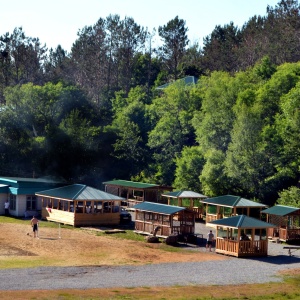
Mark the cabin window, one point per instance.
(255, 212)
(222, 232)
(148, 216)
(241, 211)
(12, 202)
(186, 202)
(198, 203)
(30, 202)
(173, 202)
(227, 212)
(138, 193)
(260, 234)
(212, 209)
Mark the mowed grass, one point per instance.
(13, 220)
(288, 289)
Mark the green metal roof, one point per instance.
(184, 194)
(158, 208)
(188, 80)
(29, 186)
(4, 188)
(26, 191)
(131, 184)
(242, 221)
(30, 180)
(280, 210)
(232, 201)
(78, 192)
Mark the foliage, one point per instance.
(289, 197)
(188, 168)
(94, 114)
(174, 37)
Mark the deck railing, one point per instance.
(198, 212)
(210, 218)
(148, 228)
(242, 248)
(132, 202)
(165, 229)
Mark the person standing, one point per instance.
(34, 224)
(6, 207)
(210, 239)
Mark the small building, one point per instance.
(287, 221)
(242, 236)
(188, 199)
(80, 205)
(228, 205)
(171, 219)
(20, 192)
(136, 192)
(188, 80)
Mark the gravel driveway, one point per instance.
(229, 271)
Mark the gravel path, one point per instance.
(229, 271)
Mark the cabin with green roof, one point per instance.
(136, 192)
(80, 205)
(170, 219)
(188, 199)
(287, 221)
(228, 205)
(242, 236)
(20, 192)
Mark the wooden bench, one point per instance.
(290, 248)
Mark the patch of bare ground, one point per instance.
(67, 247)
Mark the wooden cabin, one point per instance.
(228, 205)
(287, 221)
(80, 205)
(171, 219)
(136, 192)
(241, 236)
(188, 199)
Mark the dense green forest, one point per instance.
(95, 114)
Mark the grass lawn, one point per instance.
(288, 289)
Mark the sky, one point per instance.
(57, 22)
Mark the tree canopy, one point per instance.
(99, 112)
